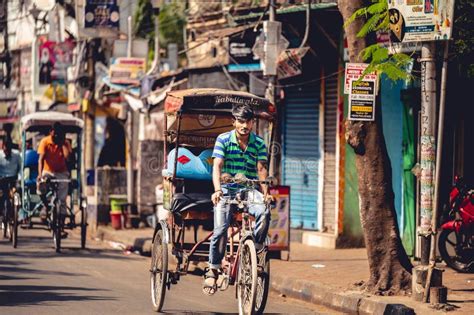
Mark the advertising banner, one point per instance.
(242, 58)
(280, 219)
(362, 99)
(8, 106)
(354, 72)
(127, 70)
(290, 62)
(420, 20)
(101, 13)
(54, 59)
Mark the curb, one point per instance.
(312, 292)
(351, 303)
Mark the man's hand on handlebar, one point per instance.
(269, 199)
(216, 197)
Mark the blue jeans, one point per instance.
(223, 218)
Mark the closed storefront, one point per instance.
(302, 154)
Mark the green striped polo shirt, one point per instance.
(238, 161)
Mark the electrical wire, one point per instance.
(308, 19)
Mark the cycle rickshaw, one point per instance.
(33, 127)
(193, 120)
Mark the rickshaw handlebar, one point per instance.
(248, 182)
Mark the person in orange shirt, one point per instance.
(54, 152)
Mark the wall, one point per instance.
(109, 181)
(392, 117)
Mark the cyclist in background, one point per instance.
(54, 151)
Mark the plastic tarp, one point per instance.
(41, 120)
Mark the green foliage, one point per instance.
(172, 21)
(463, 34)
(144, 22)
(380, 60)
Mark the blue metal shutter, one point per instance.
(301, 154)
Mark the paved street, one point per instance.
(100, 280)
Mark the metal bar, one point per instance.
(176, 147)
(195, 247)
(439, 146)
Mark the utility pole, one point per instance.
(89, 116)
(427, 163)
(130, 129)
(155, 67)
(270, 92)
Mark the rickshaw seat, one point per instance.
(191, 201)
(31, 158)
(31, 162)
(189, 165)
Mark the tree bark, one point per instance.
(390, 267)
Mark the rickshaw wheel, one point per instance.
(14, 227)
(83, 228)
(263, 286)
(159, 271)
(5, 220)
(247, 278)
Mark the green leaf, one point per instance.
(380, 54)
(369, 26)
(378, 7)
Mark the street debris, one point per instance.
(318, 266)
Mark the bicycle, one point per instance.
(11, 202)
(241, 265)
(53, 205)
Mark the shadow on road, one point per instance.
(66, 252)
(18, 295)
(27, 271)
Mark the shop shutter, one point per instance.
(301, 154)
(330, 142)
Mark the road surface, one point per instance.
(102, 280)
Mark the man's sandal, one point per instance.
(209, 286)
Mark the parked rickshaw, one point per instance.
(33, 128)
(193, 120)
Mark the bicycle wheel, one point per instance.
(263, 284)
(159, 271)
(14, 221)
(247, 278)
(56, 227)
(83, 228)
(5, 220)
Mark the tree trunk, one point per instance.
(390, 267)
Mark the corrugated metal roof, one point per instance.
(290, 9)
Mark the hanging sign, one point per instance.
(242, 58)
(421, 20)
(279, 230)
(354, 72)
(8, 106)
(101, 13)
(290, 62)
(362, 99)
(54, 60)
(127, 70)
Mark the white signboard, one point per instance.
(354, 72)
(421, 20)
(362, 99)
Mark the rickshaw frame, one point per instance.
(219, 103)
(42, 122)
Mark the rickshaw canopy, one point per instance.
(214, 101)
(42, 121)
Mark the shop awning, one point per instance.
(289, 9)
